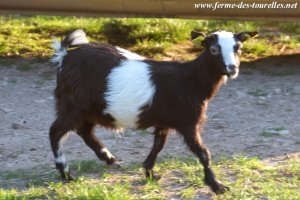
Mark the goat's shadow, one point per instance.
(43, 175)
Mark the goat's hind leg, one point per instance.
(160, 137)
(86, 131)
(57, 135)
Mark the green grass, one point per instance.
(258, 93)
(31, 36)
(248, 178)
(268, 134)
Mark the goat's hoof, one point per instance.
(67, 176)
(216, 186)
(153, 178)
(219, 188)
(150, 175)
(115, 165)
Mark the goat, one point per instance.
(99, 84)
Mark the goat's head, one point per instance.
(225, 49)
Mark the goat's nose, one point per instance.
(231, 69)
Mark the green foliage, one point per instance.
(31, 36)
(248, 178)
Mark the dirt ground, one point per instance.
(257, 114)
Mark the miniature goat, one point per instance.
(103, 85)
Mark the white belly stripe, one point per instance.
(129, 87)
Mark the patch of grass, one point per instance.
(89, 166)
(272, 132)
(255, 179)
(47, 76)
(258, 93)
(279, 129)
(13, 81)
(258, 46)
(7, 62)
(297, 142)
(289, 110)
(188, 193)
(248, 178)
(268, 134)
(39, 82)
(24, 66)
(90, 189)
(31, 36)
(143, 132)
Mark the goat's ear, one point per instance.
(243, 36)
(197, 38)
(196, 34)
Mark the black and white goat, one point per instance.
(98, 84)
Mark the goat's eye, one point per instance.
(214, 50)
(237, 48)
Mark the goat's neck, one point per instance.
(208, 78)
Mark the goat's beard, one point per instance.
(233, 76)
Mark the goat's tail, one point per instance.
(74, 39)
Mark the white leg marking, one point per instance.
(60, 159)
(105, 150)
(66, 169)
(129, 87)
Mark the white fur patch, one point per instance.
(66, 169)
(60, 159)
(130, 55)
(227, 42)
(59, 52)
(105, 150)
(78, 37)
(129, 87)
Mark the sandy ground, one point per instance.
(258, 114)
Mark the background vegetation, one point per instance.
(156, 38)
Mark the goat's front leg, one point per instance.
(160, 137)
(193, 140)
(86, 131)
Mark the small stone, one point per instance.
(32, 149)
(261, 102)
(5, 110)
(16, 126)
(284, 132)
(241, 93)
(262, 98)
(277, 90)
(40, 101)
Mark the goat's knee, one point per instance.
(88, 135)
